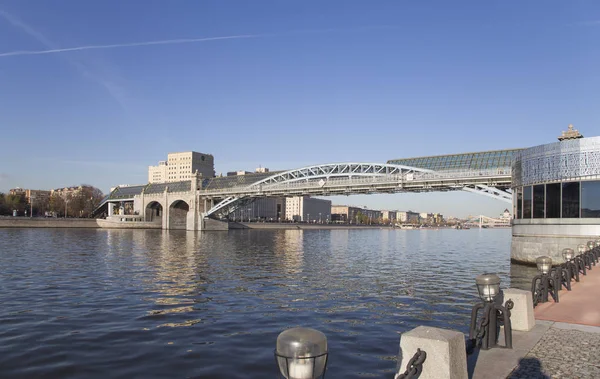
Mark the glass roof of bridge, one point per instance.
(482, 160)
(234, 180)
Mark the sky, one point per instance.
(96, 91)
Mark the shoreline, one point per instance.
(41, 222)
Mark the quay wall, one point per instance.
(39, 222)
(291, 226)
(532, 238)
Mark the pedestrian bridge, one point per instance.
(485, 173)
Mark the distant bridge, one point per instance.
(485, 173)
(482, 221)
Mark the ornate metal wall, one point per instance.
(565, 160)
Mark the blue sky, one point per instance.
(294, 83)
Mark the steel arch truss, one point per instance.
(347, 170)
(361, 178)
(493, 192)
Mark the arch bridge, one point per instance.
(191, 204)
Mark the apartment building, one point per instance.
(308, 209)
(182, 166)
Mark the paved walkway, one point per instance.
(579, 306)
(565, 342)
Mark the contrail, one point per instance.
(132, 44)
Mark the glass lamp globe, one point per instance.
(488, 286)
(590, 245)
(581, 248)
(597, 243)
(568, 254)
(301, 353)
(544, 264)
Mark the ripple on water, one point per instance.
(118, 303)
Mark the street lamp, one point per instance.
(308, 216)
(485, 332)
(544, 284)
(320, 218)
(590, 253)
(301, 353)
(568, 255)
(580, 260)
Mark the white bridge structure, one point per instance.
(191, 204)
(482, 221)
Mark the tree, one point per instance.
(56, 204)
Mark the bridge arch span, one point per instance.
(178, 214)
(338, 170)
(154, 211)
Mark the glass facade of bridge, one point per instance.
(484, 160)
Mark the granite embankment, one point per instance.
(275, 225)
(40, 222)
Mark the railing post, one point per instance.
(446, 352)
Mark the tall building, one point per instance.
(390, 216)
(408, 217)
(307, 209)
(182, 166)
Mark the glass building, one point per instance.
(484, 160)
(556, 201)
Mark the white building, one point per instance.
(408, 217)
(181, 166)
(307, 209)
(265, 209)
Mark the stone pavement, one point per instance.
(549, 350)
(565, 342)
(564, 351)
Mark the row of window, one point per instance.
(559, 200)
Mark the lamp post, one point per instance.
(579, 259)
(590, 254)
(484, 332)
(320, 218)
(308, 216)
(568, 255)
(31, 198)
(543, 283)
(301, 353)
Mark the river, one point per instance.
(149, 303)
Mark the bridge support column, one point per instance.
(165, 216)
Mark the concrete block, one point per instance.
(521, 316)
(446, 354)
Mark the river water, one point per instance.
(151, 303)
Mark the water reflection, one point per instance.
(125, 303)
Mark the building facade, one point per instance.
(556, 202)
(182, 166)
(408, 217)
(308, 209)
(388, 216)
(261, 209)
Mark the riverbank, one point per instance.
(292, 226)
(41, 222)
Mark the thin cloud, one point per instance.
(116, 93)
(55, 50)
(133, 44)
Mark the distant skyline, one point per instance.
(95, 92)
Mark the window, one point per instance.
(527, 197)
(570, 200)
(553, 200)
(519, 213)
(590, 199)
(538, 201)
